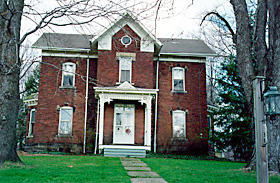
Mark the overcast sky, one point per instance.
(180, 22)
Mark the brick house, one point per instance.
(123, 88)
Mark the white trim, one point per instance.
(29, 129)
(125, 91)
(70, 73)
(31, 102)
(127, 141)
(135, 25)
(130, 40)
(78, 55)
(178, 68)
(61, 49)
(86, 109)
(124, 147)
(181, 60)
(191, 54)
(65, 107)
(184, 122)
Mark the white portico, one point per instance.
(124, 114)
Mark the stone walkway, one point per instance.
(140, 172)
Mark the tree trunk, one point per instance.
(10, 23)
(244, 47)
(261, 57)
(273, 79)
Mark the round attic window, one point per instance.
(126, 40)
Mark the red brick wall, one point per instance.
(195, 85)
(51, 95)
(108, 66)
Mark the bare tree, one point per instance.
(256, 37)
(62, 13)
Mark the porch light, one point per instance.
(272, 101)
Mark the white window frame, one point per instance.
(64, 72)
(31, 130)
(173, 70)
(184, 122)
(120, 62)
(71, 121)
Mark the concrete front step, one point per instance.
(121, 152)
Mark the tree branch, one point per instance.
(223, 20)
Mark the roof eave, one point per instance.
(61, 49)
(191, 54)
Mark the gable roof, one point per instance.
(59, 41)
(134, 24)
(185, 47)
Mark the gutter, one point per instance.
(97, 126)
(156, 104)
(86, 107)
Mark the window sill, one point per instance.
(179, 138)
(29, 137)
(173, 91)
(67, 87)
(64, 136)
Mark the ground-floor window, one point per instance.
(65, 121)
(31, 122)
(179, 124)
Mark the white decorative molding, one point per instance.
(126, 85)
(32, 102)
(142, 98)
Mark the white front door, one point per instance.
(123, 124)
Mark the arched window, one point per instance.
(68, 74)
(178, 79)
(65, 120)
(179, 123)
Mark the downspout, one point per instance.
(97, 126)
(156, 104)
(86, 106)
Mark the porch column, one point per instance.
(101, 119)
(148, 119)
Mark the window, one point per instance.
(68, 74)
(65, 121)
(125, 69)
(31, 122)
(178, 75)
(126, 40)
(179, 122)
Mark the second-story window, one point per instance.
(125, 69)
(68, 74)
(178, 77)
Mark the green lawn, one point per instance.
(101, 169)
(58, 169)
(202, 171)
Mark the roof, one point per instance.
(63, 41)
(185, 46)
(180, 47)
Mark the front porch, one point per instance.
(124, 119)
